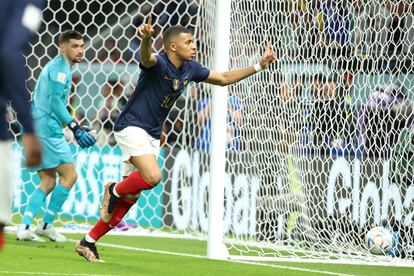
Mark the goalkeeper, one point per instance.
(162, 80)
(49, 112)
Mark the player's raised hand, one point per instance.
(268, 57)
(146, 30)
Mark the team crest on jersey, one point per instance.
(176, 84)
(185, 82)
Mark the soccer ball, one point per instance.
(379, 240)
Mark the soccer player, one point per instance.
(18, 21)
(49, 112)
(138, 128)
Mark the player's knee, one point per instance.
(154, 178)
(73, 177)
(69, 179)
(47, 185)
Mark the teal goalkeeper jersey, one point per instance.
(55, 79)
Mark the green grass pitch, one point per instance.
(125, 255)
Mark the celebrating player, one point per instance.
(15, 34)
(163, 79)
(49, 111)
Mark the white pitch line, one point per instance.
(53, 273)
(205, 257)
(293, 268)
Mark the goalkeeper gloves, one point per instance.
(85, 140)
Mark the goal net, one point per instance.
(320, 147)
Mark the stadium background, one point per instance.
(291, 161)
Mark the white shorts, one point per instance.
(135, 141)
(6, 179)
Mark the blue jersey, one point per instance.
(55, 79)
(157, 89)
(18, 20)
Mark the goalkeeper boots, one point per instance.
(27, 235)
(50, 233)
(88, 250)
(108, 203)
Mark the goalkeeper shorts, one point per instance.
(55, 152)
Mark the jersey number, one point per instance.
(168, 101)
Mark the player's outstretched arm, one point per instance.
(148, 59)
(229, 77)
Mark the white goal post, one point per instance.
(295, 163)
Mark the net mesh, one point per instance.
(319, 148)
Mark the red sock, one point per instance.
(121, 208)
(133, 184)
(101, 228)
(2, 240)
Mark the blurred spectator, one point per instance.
(336, 23)
(382, 118)
(114, 99)
(329, 113)
(289, 110)
(172, 130)
(316, 86)
(109, 52)
(235, 119)
(302, 27)
(396, 28)
(380, 27)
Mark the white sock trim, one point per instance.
(51, 212)
(29, 214)
(115, 193)
(89, 239)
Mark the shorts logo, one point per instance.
(176, 84)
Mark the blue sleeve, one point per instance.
(200, 73)
(57, 81)
(15, 37)
(59, 108)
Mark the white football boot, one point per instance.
(27, 235)
(50, 233)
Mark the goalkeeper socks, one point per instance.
(35, 205)
(133, 184)
(101, 228)
(58, 197)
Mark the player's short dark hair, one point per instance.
(171, 32)
(67, 35)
